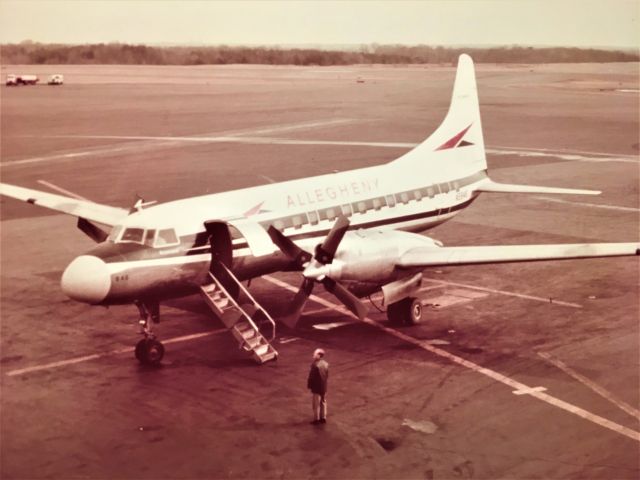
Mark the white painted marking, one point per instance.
(572, 157)
(267, 178)
(455, 297)
(429, 287)
(589, 205)
(95, 356)
(331, 326)
(285, 340)
(553, 301)
(529, 391)
(566, 151)
(48, 158)
(139, 141)
(161, 141)
(56, 188)
(513, 384)
(315, 311)
(315, 298)
(592, 385)
(294, 126)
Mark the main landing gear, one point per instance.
(149, 350)
(407, 311)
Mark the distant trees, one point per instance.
(29, 52)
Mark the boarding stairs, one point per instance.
(232, 303)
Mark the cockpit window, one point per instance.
(166, 237)
(148, 239)
(133, 235)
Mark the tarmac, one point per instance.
(518, 371)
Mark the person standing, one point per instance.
(317, 383)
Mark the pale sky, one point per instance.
(607, 23)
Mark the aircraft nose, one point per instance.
(86, 279)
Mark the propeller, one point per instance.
(312, 267)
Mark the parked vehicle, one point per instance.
(15, 80)
(56, 79)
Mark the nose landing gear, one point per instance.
(149, 350)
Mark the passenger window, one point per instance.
(166, 237)
(297, 221)
(133, 235)
(346, 210)
(417, 195)
(148, 239)
(362, 207)
(377, 203)
(279, 225)
(313, 218)
(430, 192)
(287, 222)
(404, 197)
(391, 201)
(331, 214)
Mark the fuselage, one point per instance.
(163, 251)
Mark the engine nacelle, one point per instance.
(371, 255)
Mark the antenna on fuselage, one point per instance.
(140, 204)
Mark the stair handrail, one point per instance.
(246, 292)
(235, 304)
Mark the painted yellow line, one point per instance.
(513, 384)
(96, 356)
(592, 385)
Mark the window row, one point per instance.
(315, 216)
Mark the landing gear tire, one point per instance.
(407, 311)
(149, 351)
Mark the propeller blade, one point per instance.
(290, 249)
(298, 303)
(347, 298)
(326, 251)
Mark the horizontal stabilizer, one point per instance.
(494, 187)
(449, 256)
(72, 206)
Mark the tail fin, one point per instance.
(456, 148)
(457, 145)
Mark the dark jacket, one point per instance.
(318, 376)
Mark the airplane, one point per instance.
(355, 232)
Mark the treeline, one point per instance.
(125, 54)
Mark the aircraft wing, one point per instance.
(449, 256)
(78, 208)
